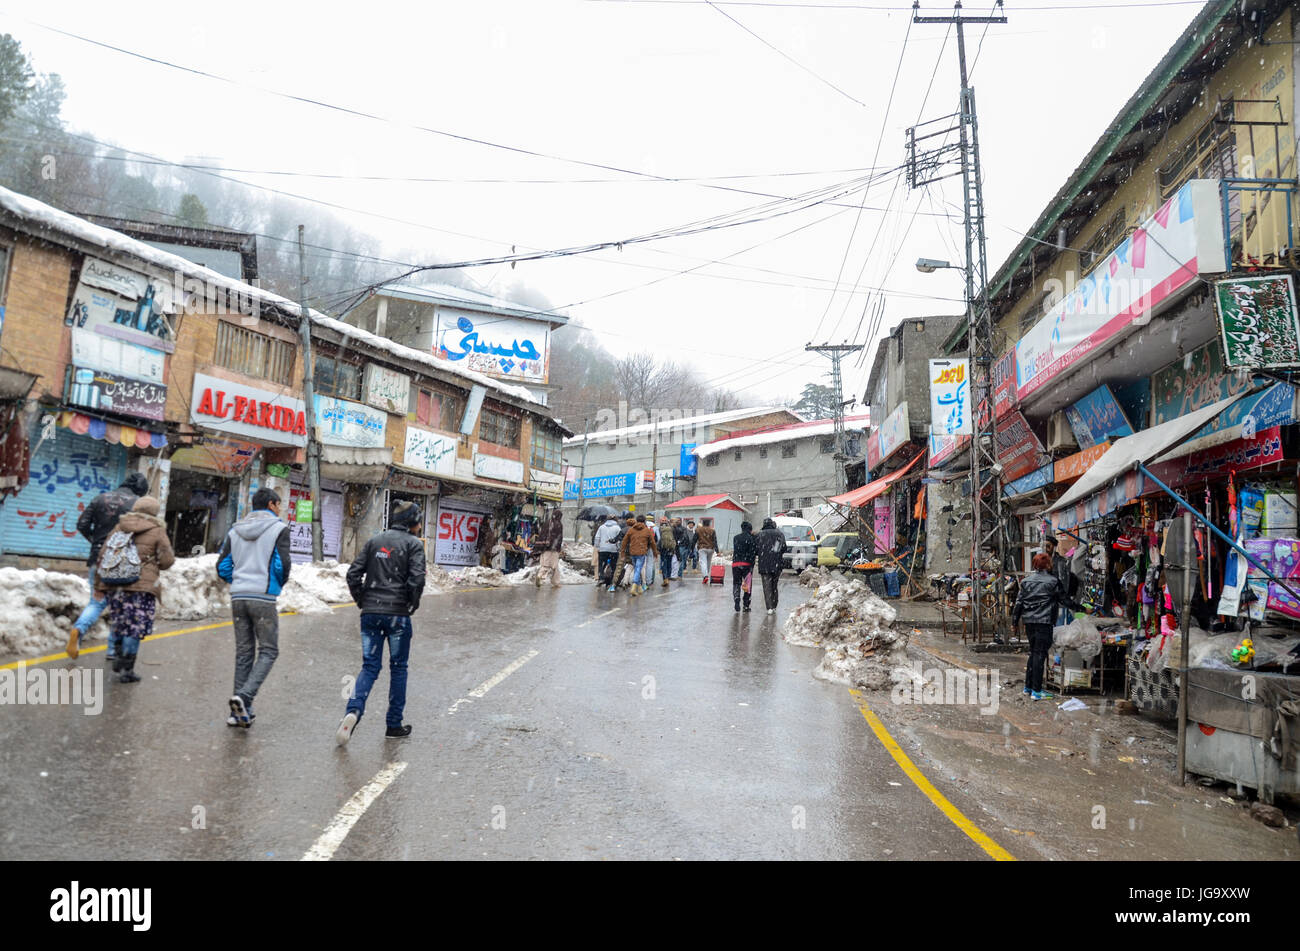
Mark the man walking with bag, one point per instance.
(254, 561)
(744, 549)
(706, 543)
(771, 548)
(386, 581)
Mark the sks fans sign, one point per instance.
(459, 526)
(246, 411)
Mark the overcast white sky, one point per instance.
(672, 89)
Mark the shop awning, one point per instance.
(1127, 452)
(861, 496)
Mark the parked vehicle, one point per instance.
(801, 539)
(833, 550)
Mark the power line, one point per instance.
(877, 8)
(786, 56)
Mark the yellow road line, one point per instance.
(973, 831)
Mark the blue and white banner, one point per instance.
(602, 487)
(950, 401)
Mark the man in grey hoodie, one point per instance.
(607, 539)
(254, 559)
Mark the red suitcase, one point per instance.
(717, 574)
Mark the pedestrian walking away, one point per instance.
(134, 554)
(1060, 568)
(386, 581)
(691, 540)
(552, 542)
(667, 549)
(650, 563)
(637, 544)
(98, 519)
(744, 549)
(1038, 601)
(771, 548)
(683, 539)
(706, 544)
(608, 537)
(254, 561)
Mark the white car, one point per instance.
(801, 541)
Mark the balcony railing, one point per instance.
(1258, 221)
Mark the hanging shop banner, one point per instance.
(114, 301)
(891, 435)
(664, 480)
(1258, 321)
(1097, 417)
(125, 359)
(950, 409)
(883, 522)
(248, 411)
(1072, 467)
(1197, 380)
(227, 456)
(943, 448)
(299, 515)
(1004, 383)
(1018, 447)
(507, 347)
(387, 389)
(1161, 258)
(1239, 455)
(1035, 480)
(345, 423)
(603, 487)
(111, 393)
(494, 467)
(456, 541)
(432, 452)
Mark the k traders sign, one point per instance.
(247, 411)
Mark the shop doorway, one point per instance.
(198, 507)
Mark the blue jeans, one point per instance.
(91, 612)
(376, 630)
(638, 564)
(666, 564)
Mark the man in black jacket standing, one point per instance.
(386, 581)
(95, 524)
(771, 548)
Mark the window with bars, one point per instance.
(762, 452)
(254, 354)
(438, 410)
(805, 502)
(712, 460)
(499, 429)
(335, 378)
(787, 504)
(739, 454)
(789, 451)
(546, 450)
(1106, 239)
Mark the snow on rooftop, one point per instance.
(437, 291)
(817, 428)
(49, 219)
(666, 425)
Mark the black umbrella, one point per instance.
(596, 513)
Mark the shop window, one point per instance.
(254, 354)
(546, 450)
(789, 451)
(712, 460)
(499, 429)
(439, 410)
(333, 378)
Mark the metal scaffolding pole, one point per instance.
(837, 352)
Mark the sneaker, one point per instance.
(233, 720)
(612, 588)
(350, 720)
(747, 607)
(1042, 695)
(239, 710)
(771, 610)
(396, 732)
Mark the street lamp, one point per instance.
(930, 265)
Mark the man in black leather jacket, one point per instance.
(386, 581)
(1038, 602)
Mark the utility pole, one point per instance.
(582, 476)
(988, 531)
(837, 352)
(309, 396)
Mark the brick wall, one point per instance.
(36, 302)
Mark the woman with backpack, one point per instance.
(134, 554)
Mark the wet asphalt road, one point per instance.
(672, 728)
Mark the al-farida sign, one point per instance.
(950, 402)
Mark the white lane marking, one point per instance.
(352, 810)
(599, 616)
(495, 679)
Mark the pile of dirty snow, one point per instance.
(492, 578)
(855, 628)
(39, 607)
(814, 577)
(475, 577)
(567, 576)
(580, 555)
(191, 589)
